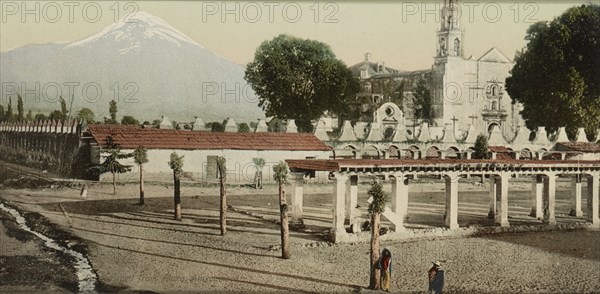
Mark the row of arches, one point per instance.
(414, 151)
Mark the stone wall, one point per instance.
(51, 146)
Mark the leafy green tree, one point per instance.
(140, 156)
(112, 109)
(216, 126)
(176, 164)
(20, 111)
(244, 128)
(1, 113)
(259, 163)
(280, 174)
(129, 120)
(253, 125)
(29, 116)
(56, 115)
(221, 165)
(422, 102)
(111, 163)
(63, 109)
(9, 112)
(481, 147)
(556, 76)
(376, 208)
(86, 115)
(40, 117)
(300, 79)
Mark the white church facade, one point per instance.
(469, 91)
(466, 92)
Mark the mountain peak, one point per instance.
(130, 33)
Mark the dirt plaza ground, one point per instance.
(141, 248)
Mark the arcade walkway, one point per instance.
(345, 174)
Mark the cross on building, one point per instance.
(454, 120)
(473, 118)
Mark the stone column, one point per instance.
(339, 195)
(400, 198)
(502, 200)
(593, 191)
(451, 220)
(493, 197)
(576, 196)
(417, 154)
(352, 213)
(297, 196)
(550, 199)
(537, 188)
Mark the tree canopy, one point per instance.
(481, 147)
(63, 109)
(20, 111)
(112, 109)
(140, 155)
(377, 205)
(243, 128)
(556, 77)
(87, 115)
(422, 101)
(129, 120)
(300, 79)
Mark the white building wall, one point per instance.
(240, 168)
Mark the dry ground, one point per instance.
(141, 248)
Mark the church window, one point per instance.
(389, 111)
(494, 105)
(442, 46)
(457, 46)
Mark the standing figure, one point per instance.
(385, 265)
(436, 278)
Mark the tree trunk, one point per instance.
(177, 197)
(375, 272)
(285, 232)
(114, 183)
(260, 180)
(256, 180)
(141, 184)
(223, 212)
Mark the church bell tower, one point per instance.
(450, 36)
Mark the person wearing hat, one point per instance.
(436, 278)
(385, 265)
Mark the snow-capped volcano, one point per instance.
(135, 29)
(148, 66)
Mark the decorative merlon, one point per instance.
(261, 127)
(562, 135)
(347, 133)
(581, 136)
(198, 125)
(291, 126)
(165, 123)
(231, 126)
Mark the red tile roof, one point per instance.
(337, 164)
(580, 146)
(502, 152)
(130, 137)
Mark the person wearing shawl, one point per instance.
(436, 278)
(385, 265)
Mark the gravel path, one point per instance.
(140, 248)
